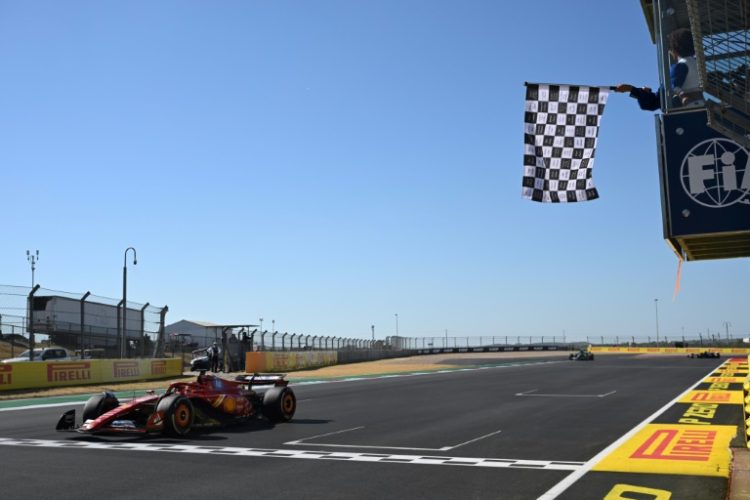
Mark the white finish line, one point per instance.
(533, 393)
(316, 455)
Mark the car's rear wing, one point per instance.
(262, 379)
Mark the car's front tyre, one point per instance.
(99, 404)
(178, 414)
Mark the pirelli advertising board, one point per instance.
(285, 361)
(41, 374)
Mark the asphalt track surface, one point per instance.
(507, 431)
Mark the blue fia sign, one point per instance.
(705, 177)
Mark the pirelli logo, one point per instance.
(732, 372)
(675, 444)
(6, 374)
(68, 372)
(675, 449)
(721, 380)
(159, 367)
(122, 369)
(714, 395)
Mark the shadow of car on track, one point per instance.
(197, 434)
(306, 421)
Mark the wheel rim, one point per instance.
(230, 405)
(287, 404)
(182, 416)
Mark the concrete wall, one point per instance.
(356, 356)
(270, 361)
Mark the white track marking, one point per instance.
(47, 405)
(417, 374)
(568, 481)
(473, 440)
(368, 447)
(290, 453)
(533, 393)
(301, 442)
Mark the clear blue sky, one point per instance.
(328, 164)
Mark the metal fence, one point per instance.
(278, 341)
(88, 323)
(444, 342)
(81, 322)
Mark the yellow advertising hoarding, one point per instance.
(672, 350)
(256, 362)
(41, 374)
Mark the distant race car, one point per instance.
(582, 355)
(704, 354)
(208, 402)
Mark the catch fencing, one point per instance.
(88, 324)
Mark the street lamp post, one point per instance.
(33, 258)
(273, 325)
(372, 327)
(656, 305)
(261, 324)
(727, 324)
(125, 298)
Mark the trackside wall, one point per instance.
(288, 361)
(673, 350)
(746, 406)
(357, 356)
(42, 374)
(256, 362)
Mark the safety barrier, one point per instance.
(672, 350)
(43, 374)
(746, 407)
(261, 361)
(492, 348)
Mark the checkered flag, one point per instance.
(561, 125)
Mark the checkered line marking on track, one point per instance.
(303, 454)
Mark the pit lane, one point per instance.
(459, 434)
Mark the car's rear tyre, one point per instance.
(279, 404)
(99, 404)
(178, 414)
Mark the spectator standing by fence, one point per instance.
(213, 357)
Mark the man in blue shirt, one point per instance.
(683, 75)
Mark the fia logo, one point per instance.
(716, 173)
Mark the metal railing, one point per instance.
(80, 321)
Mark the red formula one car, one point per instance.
(210, 401)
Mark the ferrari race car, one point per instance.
(582, 355)
(208, 402)
(704, 354)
